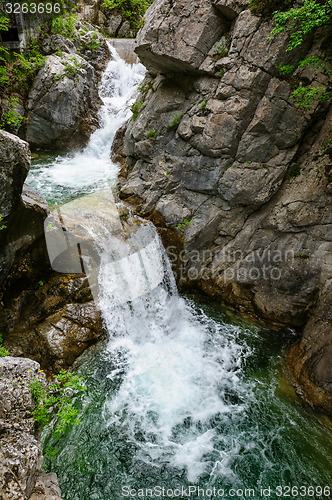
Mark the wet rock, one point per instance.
(310, 357)
(24, 213)
(14, 167)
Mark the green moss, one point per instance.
(3, 350)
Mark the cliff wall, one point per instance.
(236, 176)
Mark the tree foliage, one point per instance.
(311, 15)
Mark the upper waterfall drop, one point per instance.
(66, 176)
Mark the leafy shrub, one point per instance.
(57, 398)
(301, 21)
(312, 14)
(65, 25)
(133, 10)
(3, 350)
(307, 96)
(11, 117)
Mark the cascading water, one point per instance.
(179, 394)
(60, 178)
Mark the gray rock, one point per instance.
(59, 102)
(20, 451)
(14, 167)
(46, 487)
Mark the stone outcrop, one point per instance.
(23, 212)
(235, 175)
(21, 456)
(44, 315)
(63, 102)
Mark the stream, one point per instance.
(182, 394)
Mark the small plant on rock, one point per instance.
(184, 224)
(175, 121)
(294, 171)
(2, 225)
(151, 134)
(136, 108)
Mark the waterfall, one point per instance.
(63, 177)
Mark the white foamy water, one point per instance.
(63, 177)
(179, 368)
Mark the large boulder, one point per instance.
(62, 96)
(310, 357)
(22, 208)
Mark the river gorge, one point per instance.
(165, 234)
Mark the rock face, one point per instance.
(63, 102)
(23, 212)
(235, 175)
(44, 315)
(21, 456)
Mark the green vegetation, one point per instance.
(57, 398)
(132, 10)
(301, 256)
(185, 223)
(151, 134)
(312, 14)
(285, 70)
(145, 87)
(175, 121)
(306, 96)
(221, 50)
(3, 350)
(203, 105)
(294, 171)
(136, 108)
(2, 226)
(221, 72)
(11, 117)
(300, 22)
